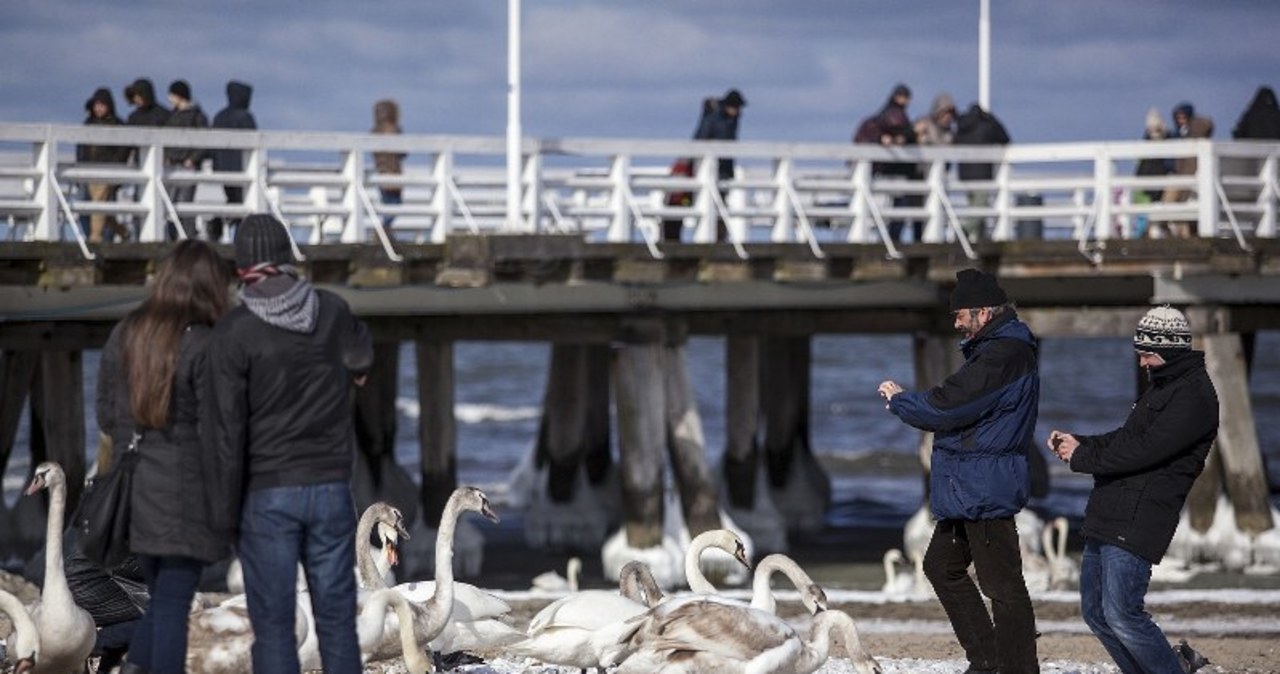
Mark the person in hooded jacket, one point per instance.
(894, 128)
(100, 109)
(720, 122)
(982, 417)
(151, 388)
(282, 364)
(188, 115)
(386, 120)
(1142, 473)
(1261, 120)
(1186, 124)
(235, 115)
(978, 127)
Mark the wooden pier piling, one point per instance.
(638, 395)
(437, 427)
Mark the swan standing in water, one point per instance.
(712, 636)
(23, 645)
(66, 631)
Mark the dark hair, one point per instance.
(190, 288)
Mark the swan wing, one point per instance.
(590, 609)
(720, 629)
(469, 601)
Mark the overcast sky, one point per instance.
(810, 69)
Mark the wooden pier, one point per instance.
(618, 318)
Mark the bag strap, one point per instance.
(133, 442)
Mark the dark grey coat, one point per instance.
(169, 506)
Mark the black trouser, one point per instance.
(992, 547)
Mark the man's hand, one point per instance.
(888, 389)
(1063, 445)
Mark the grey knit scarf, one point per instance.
(284, 301)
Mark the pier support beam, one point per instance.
(638, 395)
(437, 428)
(565, 510)
(378, 476)
(687, 445)
(1238, 455)
(57, 418)
(748, 498)
(801, 489)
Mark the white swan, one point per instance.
(551, 581)
(453, 616)
(896, 584)
(917, 533)
(811, 595)
(712, 636)
(23, 645)
(66, 631)
(1063, 571)
(637, 584)
(371, 626)
(1030, 528)
(583, 629)
(723, 539)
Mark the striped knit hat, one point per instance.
(1164, 331)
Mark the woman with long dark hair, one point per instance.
(151, 380)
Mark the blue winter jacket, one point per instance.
(982, 417)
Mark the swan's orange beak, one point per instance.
(25, 665)
(390, 552)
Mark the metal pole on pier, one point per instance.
(984, 54)
(513, 223)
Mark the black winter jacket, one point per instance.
(169, 501)
(280, 411)
(190, 118)
(1143, 470)
(978, 127)
(235, 116)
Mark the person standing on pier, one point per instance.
(983, 417)
(235, 116)
(721, 123)
(386, 120)
(151, 392)
(1142, 473)
(101, 109)
(188, 115)
(281, 368)
(1186, 124)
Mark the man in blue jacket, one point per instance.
(982, 417)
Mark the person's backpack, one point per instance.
(868, 130)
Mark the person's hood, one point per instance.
(144, 89)
(238, 95)
(101, 94)
(971, 118)
(386, 116)
(1265, 98)
(941, 103)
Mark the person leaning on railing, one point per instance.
(101, 109)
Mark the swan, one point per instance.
(1030, 528)
(1063, 571)
(23, 645)
(385, 523)
(66, 631)
(371, 626)
(896, 584)
(725, 540)
(811, 595)
(554, 582)
(584, 629)
(709, 635)
(917, 533)
(452, 616)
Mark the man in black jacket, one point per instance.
(978, 127)
(283, 442)
(235, 116)
(1142, 472)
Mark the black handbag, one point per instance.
(103, 514)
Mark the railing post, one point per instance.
(255, 196)
(442, 197)
(783, 218)
(530, 201)
(150, 160)
(620, 221)
(860, 203)
(1267, 198)
(1102, 169)
(705, 203)
(936, 225)
(46, 164)
(1003, 201)
(1206, 189)
(353, 176)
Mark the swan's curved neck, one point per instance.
(637, 584)
(693, 566)
(441, 602)
(369, 576)
(414, 659)
(25, 640)
(761, 583)
(55, 576)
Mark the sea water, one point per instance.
(1087, 386)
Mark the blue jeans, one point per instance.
(315, 525)
(1113, 589)
(159, 642)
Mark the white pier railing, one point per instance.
(324, 186)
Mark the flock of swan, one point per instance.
(637, 628)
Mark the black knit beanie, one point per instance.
(262, 238)
(976, 288)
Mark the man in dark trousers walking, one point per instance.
(1142, 472)
(982, 417)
